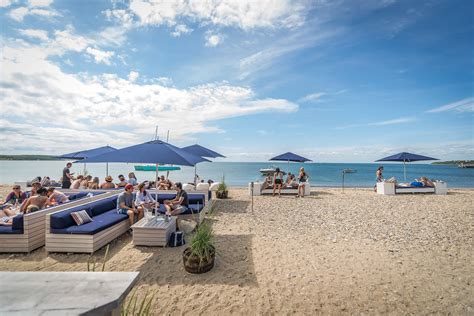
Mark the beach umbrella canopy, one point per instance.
(156, 152)
(199, 150)
(202, 151)
(289, 156)
(406, 157)
(88, 153)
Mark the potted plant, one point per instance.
(222, 191)
(199, 257)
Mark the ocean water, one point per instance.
(240, 173)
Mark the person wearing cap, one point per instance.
(108, 184)
(67, 177)
(126, 204)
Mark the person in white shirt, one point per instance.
(145, 199)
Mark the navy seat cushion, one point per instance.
(64, 219)
(18, 223)
(8, 229)
(98, 224)
(193, 198)
(103, 206)
(77, 196)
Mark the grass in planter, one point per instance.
(202, 242)
(136, 306)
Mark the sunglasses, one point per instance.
(16, 188)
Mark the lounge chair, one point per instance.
(259, 190)
(198, 206)
(390, 188)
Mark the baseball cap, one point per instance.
(128, 187)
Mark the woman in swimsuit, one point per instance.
(302, 177)
(277, 181)
(378, 176)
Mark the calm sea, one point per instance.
(240, 174)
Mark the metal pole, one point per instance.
(251, 187)
(404, 171)
(107, 169)
(84, 169)
(343, 173)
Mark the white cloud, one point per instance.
(312, 97)
(33, 86)
(464, 105)
(6, 3)
(401, 120)
(100, 56)
(40, 3)
(38, 34)
(181, 29)
(244, 14)
(212, 40)
(133, 76)
(20, 13)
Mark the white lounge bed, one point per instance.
(258, 189)
(389, 188)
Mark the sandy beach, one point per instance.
(330, 253)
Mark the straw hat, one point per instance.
(108, 179)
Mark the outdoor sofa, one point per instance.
(390, 188)
(63, 235)
(259, 190)
(27, 232)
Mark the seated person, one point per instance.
(55, 197)
(108, 184)
(126, 204)
(164, 184)
(77, 183)
(35, 186)
(94, 185)
(122, 182)
(36, 202)
(426, 182)
(268, 182)
(46, 182)
(85, 182)
(179, 204)
(144, 198)
(132, 179)
(291, 181)
(6, 216)
(35, 179)
(16, 196)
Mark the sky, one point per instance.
(335, 81)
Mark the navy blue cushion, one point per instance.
(8, 229)
(64, 219)
(193, 198)
(103, 206)
(77, 196)
(192, 209)
(18, 223)
(98, 224)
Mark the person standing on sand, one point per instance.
(378, 177)
(67, 176)
(302, 178)
(277, 181)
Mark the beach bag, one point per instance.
(176, 239)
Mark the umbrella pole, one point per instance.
(288, 166)
(195, 176)
(404, 171)
(106, 169)
(84, 169)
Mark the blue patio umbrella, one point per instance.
(155, 152)
(406, 157)
(289, 156)
(90, 153)
(201, 151)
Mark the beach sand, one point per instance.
(330, 253)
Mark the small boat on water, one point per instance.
(153, 168)
(465, 165)
(270, 171)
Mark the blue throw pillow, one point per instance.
(416, 184)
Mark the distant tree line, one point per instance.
(453, 162)
(28, 157)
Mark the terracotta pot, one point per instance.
(193, 264)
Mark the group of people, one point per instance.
(421, 182)
(88, 183)
(19, 202)
(277, 183)
(132, 206)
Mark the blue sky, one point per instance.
(337, 81)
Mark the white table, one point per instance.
(153, 231)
